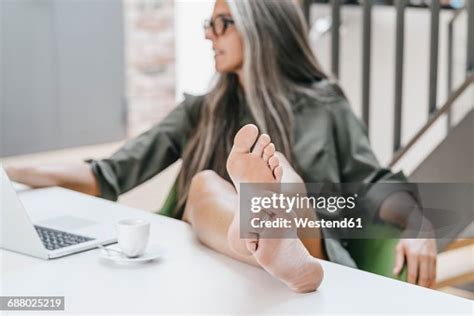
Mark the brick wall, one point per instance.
(150, 62)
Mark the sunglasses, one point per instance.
(219, 24)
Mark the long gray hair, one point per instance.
(278, 64)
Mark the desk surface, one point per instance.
(192, 278)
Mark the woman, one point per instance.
(268, 76)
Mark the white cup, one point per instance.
(132, 235)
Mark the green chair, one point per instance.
(377, 255)
(170, 203)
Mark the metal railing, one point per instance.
(434, 113)
(433, 118)
(450, 57)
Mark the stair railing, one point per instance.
(435, 112)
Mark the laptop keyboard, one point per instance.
(54, 239)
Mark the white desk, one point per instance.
(193, 278)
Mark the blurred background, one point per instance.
(79, 77)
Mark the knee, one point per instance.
(202, 183)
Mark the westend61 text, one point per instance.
(306, 223)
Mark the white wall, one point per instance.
(194, 56)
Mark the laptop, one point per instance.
(55, 236)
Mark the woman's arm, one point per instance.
(137, 161)
(391, 203)
(419, 253)
(77, 177)
(145, 156)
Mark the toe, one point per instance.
(245, 138)
(252, 243)
(262, 142)
(273, 162)
(278, 173)
(268, 152)
(252, 246)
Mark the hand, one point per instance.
(420, 257)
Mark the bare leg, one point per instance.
(210, 208)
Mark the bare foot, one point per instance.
(252, 159)
(285, 258)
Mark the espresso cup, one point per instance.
(132, 236)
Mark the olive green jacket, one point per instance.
(330, 145)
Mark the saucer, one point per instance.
(151, 253)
